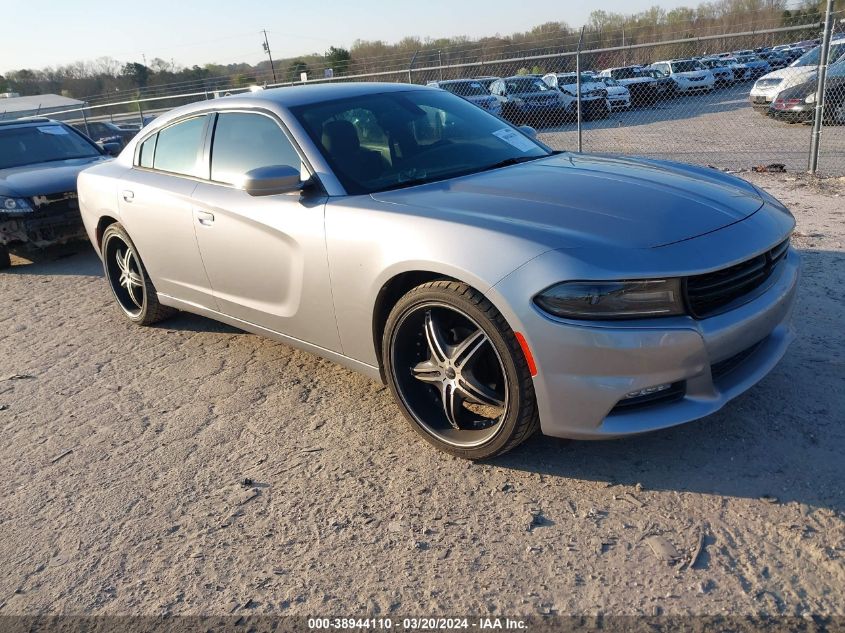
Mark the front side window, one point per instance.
(179, 147)
(390, 140)
(244, 141)
(42, 143)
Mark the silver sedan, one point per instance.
(495, 285)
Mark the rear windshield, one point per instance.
(35, 144)
(812, 58)
(626, 73)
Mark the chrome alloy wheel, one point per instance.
(449, 375)
(125, 275)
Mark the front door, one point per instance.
(265, 255)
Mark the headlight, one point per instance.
(14, 205)
(613, 299)
(811, 98)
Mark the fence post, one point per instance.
(140, 113)
(85, 121)
(411, 65)
(578, 88)
(818, 117)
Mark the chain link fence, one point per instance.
(732, 101)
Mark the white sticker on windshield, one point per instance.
(512, 137)
(57, 130)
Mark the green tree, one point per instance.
(296, 68)
(138, 73)
(338, 60)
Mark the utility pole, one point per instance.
(269, 54)
(818, 119)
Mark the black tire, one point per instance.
(138, 303)
(5, 259)
(402, 355)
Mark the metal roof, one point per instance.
(36, 103)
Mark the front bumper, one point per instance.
(585, 370)
(40, 230)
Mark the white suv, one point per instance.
(688, 75)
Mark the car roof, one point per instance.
(26, 122)
(293, 96)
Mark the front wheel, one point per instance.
(130, 285)
(457, 371)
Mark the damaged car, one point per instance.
(39, 162)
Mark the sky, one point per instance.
(58, 32)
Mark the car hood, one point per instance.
(791, 75)
(571, 200)
(44, 178)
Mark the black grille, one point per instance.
(707, 294)
(717, 370)
(672, 394)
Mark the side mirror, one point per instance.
(528, 131)
(112, 149)
(271, 180)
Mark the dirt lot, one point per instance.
(124, 451)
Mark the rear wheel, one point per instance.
(131, 287)
(458, 372)
(5, 259)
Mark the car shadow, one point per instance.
(75, 258)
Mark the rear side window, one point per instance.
(147, 151)
(178, 149)
(243, 142)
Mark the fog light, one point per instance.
(648, 391)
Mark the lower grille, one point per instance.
(724, 367)
(674, 393)
(707, 294)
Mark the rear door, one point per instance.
(265, 255)
(156, 209)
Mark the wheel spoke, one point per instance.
(475, 392)
(452, 404)
(436, 344)
(464, 352)
(428, 371)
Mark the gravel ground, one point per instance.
(125, 451)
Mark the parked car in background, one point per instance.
(797, 104)
(496, 286)
(804, 69)
(531, 101)
(486, 81)
(643, 87)
(741, 71)
(687, 75)
(774, 59)
(663, 85)
(722, 71)
(757, 66)
(106, 132)
(594, 103)
(618, 96)
(471, 90)
(39, 162)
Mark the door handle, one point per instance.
(205, 218)
(127, 195)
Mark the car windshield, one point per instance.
(626, 73)
(389, 140)
(41, 144)
(465, 88)
(525, 84)
(608, 81)
(745, 59)
(812, 58)
(686, 66)
(569, 80)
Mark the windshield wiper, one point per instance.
(513, 160)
